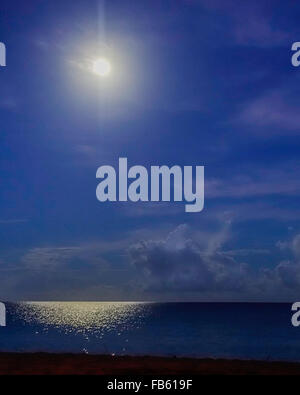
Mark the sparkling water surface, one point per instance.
(217, 330)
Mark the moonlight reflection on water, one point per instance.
(84, 316)
(214, 330)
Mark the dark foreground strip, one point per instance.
(150, 384)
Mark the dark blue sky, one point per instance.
(206, 82)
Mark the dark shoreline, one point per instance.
(60, 364)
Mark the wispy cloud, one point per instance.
(251, 21)
(13, 221)
(71, 257)
(272, 113)
(8, 103)
(276, 180)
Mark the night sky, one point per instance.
(207, 83)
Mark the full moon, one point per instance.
(101, 67)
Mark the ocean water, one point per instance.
(217, 330)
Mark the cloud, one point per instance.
(282, 245)
(296, 246)
(8, 97)
(293, 246)
(288, 273)
(71, 258)
(283, 281)
(8, 103)
(185, 264)
(272, 110)
(251, 22)
(247, 252)
(41, 258)
(178, 263)
(57, 273)
(13, 221)
(257, 210)
(279, 179)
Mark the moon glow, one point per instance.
(101, 67)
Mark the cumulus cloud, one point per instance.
(185, 264)
(180, 263)
(283, 280)
(293, 246)
(296, 246)
(288, 271)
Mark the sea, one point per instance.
(261, 331)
